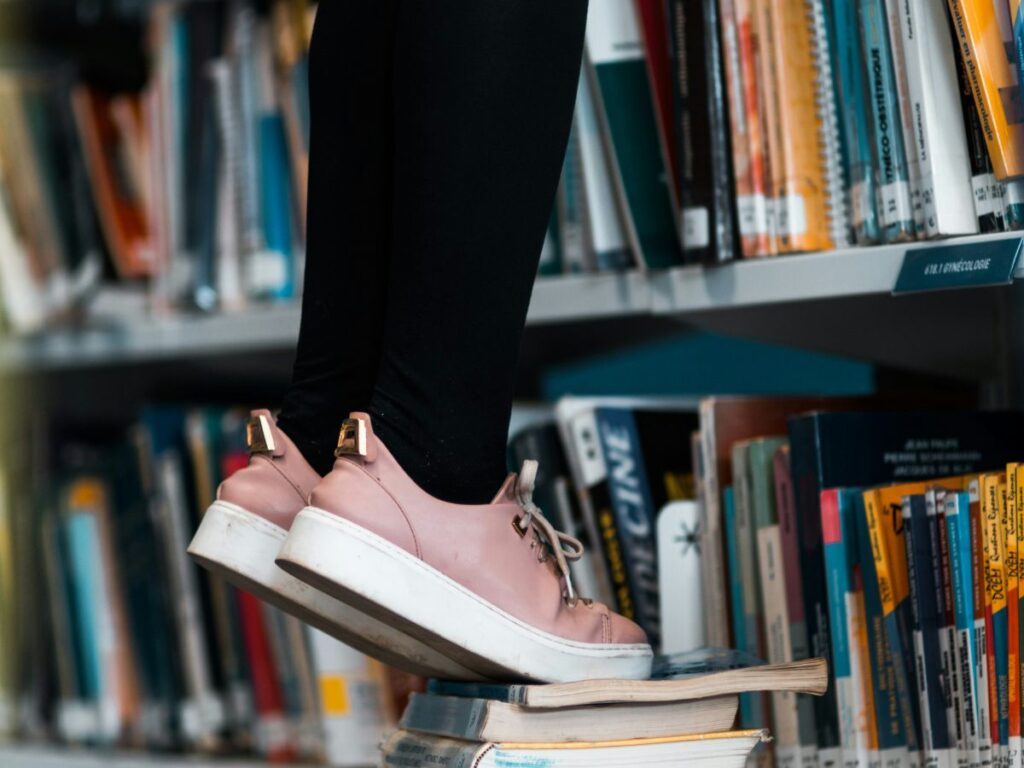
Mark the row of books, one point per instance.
(111, 636)
(708, 130)
(192, 191)
(782, 580)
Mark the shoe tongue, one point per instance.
(507, 492)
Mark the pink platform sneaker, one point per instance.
(488, 585)
(242, 531)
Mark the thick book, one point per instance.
(655, 27)
(721, 750)
(701, 674)
(895, 205)
(705, 172)
(958, 527)
(615, 64)
(1015, 500)
(1008, 508)
(939, 143)
(838, 449)
(490, 720)
(985, 41)
(846, 613)
(937, 743)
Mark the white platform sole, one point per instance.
(369, 572)
(242, 547)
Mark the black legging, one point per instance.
(438, 133)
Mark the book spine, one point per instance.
(570, 201)
(942, 558)
(894, 205)
(615, 61)
(635, 516)
(985, 38)
(852, 718)
(987, 200)
(714, 574)
(1009, 515)
(1015, 491)
(994, 547)
(607, 246)
(802, 180)
(837, 201)
(852, 92)
(768, 98)
(882, 525)
(744, 123)
(925, 589)
(906, 111)
(939, 145)
(889, 723)
(790, 537)
(958, 525)
(987, 739)
(807, 486)
(749, 702)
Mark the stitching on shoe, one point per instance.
(280, 471)
(408, 522)
(606, 628)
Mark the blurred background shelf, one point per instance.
(45, 756)
(837, 302)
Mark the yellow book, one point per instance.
(985, 39)
(1009, 510)
(801, 182)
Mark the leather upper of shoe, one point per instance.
(506, 552)
(278, 480)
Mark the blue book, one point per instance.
(924, 590)
(854, 123)
(751, 709)
(958, 525)
(892, 736)
(277, 204)
(842, 564)
(82, 548)
(894, 194)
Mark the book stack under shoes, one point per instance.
(685, 711)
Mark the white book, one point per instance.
(893, 12)
(939, 143)
(351, 712)
(24, 304)
(681, 606)
(608, 241)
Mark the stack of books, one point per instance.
(685, 712)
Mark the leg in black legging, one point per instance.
(349, 223)
(483, 98)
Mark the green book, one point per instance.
(617, 69)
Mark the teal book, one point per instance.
(894, 203)
(278, 207)
(958, 526)
(82, 547)
(750, 715)
(846, 608)
(854, 123)
(892, 736)
(617, 69)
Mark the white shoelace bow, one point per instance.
(564, 547)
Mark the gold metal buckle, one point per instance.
(258, 436)
(352, 439)
(517, 526)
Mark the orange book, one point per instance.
(801, 180)
(766, 93)
(985, 39)
(739, 46)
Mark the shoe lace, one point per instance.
(565, 548)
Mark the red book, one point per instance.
(654, 28)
